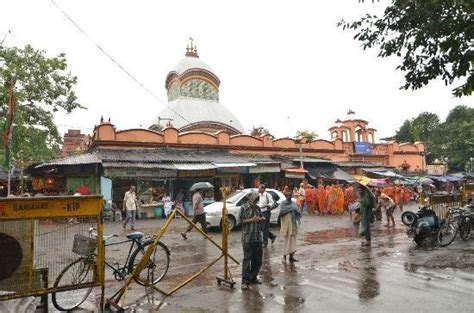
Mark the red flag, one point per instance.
(8, 131)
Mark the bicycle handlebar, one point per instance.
(104, 237)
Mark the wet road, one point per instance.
(335, 274)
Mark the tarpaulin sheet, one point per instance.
(328, 171)
(445, 179)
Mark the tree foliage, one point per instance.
(434, 38)
(42, 86)
(259, 131)
(306, 134)
(452, 139)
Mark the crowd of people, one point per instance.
(337, 198)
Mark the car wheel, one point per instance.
(231, 222)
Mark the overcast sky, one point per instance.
(283, 65)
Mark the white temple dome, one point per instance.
(193, 99)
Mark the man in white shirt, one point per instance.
(130, 206)
(266, 205)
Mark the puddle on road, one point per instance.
(325, 236)
(289, 300)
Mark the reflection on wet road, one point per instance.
(335, 274)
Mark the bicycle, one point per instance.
(458, 220)
(82, 270)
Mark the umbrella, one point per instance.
(201, 185)
(425, 181)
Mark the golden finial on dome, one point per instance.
(191, 50)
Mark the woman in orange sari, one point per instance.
(322, 199)
(407, 195)
(308, 194)
(316, 200)
(339, 200)
(349, 197)
(332, 196)
(398, 196)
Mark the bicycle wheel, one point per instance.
(446, 234)
(465, 229)
(81, 271)
(157, 266)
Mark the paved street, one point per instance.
(335, 274)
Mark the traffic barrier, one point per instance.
(113, 301)
(39, 237)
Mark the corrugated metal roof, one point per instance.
(178, 155)
(222, 165)
(312, 160)
(139, 165)
(358, 164)
(87, 158)
(194, 166)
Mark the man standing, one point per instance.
(251, 220)
(199, 214)
(289, 219)
(266, 205)
(367, 203)
(130, 206)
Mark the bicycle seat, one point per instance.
(135, 235)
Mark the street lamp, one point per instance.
(300, 141)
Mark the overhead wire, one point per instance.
(111, 58)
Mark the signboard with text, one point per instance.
(48, 207)
(362, 147)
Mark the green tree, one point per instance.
(42, 86)
(425, 126)
(432, 37)
(404, 134)
(453, 139)
(421, 128)
(306, 134)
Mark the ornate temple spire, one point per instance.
(191, 49)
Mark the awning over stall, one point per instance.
(295, 173)
(328, 171)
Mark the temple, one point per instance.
(196, 138)
(195, 119)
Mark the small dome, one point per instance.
(191, 62)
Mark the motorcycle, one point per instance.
(422, 224)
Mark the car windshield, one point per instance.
(235, 196)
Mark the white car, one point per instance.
(234, 202)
